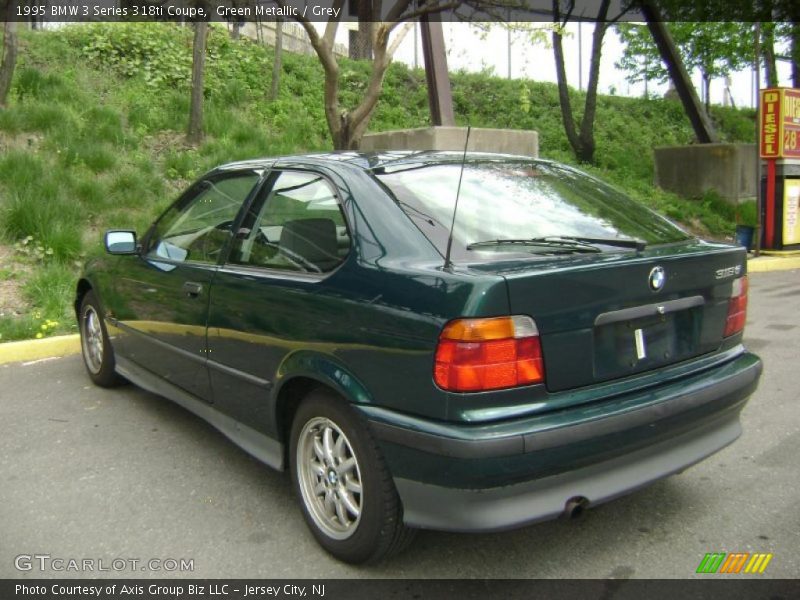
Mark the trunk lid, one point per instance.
(600, 318)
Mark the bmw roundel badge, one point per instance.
(657, 278)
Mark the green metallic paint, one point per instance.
(474, 473)
(369, 330)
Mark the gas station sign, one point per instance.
(780, 123)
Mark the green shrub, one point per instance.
(104, 125)
(134, 189)
(181, 164)
(20, 170)
(44, 214)
(92, 193)
(51, 290)
(747, 213)
(48, 117)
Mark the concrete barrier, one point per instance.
(728, 169)
(506, 141)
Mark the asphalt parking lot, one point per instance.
(87, 473)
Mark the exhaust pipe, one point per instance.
(575, 507)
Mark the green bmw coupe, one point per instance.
(429, 340)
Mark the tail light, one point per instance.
(488, 354)
(737, 307)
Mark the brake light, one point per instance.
(737, 307)
(488, 354)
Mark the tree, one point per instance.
(580, 139)
(347, 125)
(715, 49)
(768, 50)
(640, 57)
(9, 61)
(194, 134)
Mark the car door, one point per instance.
(168, 285)
(276, 292)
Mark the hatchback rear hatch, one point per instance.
(614, 288)
(605, 318)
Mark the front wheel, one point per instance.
(98, 355)
(347, 494)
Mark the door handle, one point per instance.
(192, 288)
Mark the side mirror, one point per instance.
(120, 242)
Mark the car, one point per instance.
(459, 342)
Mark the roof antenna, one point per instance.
(447, 262)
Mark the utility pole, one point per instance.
(508, 29)
(580, 56)
(416, 51)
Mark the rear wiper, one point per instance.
(562, 245)
(619, 243)
(568, 243)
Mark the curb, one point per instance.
(766, 263)
(26, 350)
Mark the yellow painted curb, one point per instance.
(773, 263)
(781, 252)
(61, 345)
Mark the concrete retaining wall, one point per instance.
(729, 169)
(507, 141)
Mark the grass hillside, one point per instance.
(93, 139)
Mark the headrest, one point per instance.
(314, 240)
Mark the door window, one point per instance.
(298, 226)
(198, 228)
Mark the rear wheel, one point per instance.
(98, 355)
(347, 494)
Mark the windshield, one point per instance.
(519, 200)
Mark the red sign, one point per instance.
(780, 123)
(791, 123)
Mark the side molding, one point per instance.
(258, 445)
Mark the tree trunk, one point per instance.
(768, 45)
(195, 132)
(590, 107)
(563, 92)
(9, 58)
(348, 127)
(582, 142)
(707, 91)
(276, 63)
(352, 125)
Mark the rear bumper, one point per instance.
(499, 476)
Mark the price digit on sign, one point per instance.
(790, 140)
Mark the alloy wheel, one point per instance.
(92, 339)
(330, 478)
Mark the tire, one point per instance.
(98, 355)
(346, 493)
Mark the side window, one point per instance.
(298, 226)
(198, 228)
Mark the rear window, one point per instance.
(502, 200)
